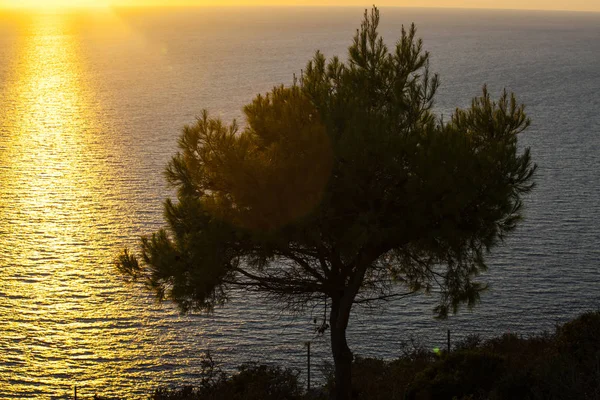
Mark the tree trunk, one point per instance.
(342, 356)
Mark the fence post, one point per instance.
(308, 366)
(448, 341)
(75, 392)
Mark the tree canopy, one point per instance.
(344, 185)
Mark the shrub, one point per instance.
(251, 382)
(460, 374)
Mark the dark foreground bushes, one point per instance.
(250, 382)
(560, 366)
(564, 365)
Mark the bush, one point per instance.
(262, 382)
(460, 374)
(573, 368)
(579, 339)
(251, 382)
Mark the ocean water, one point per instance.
(90, 111)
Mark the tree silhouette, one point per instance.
(343, 186)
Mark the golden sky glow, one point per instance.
(53, 4)
(572, 5)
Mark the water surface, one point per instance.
(90, 111)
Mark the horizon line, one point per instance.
(284, 6)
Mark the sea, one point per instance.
(92, 105)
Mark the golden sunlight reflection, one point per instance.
(60, 211)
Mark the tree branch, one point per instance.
(385, 297)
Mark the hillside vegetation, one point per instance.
(561, 365)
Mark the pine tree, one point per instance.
(343, 186)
